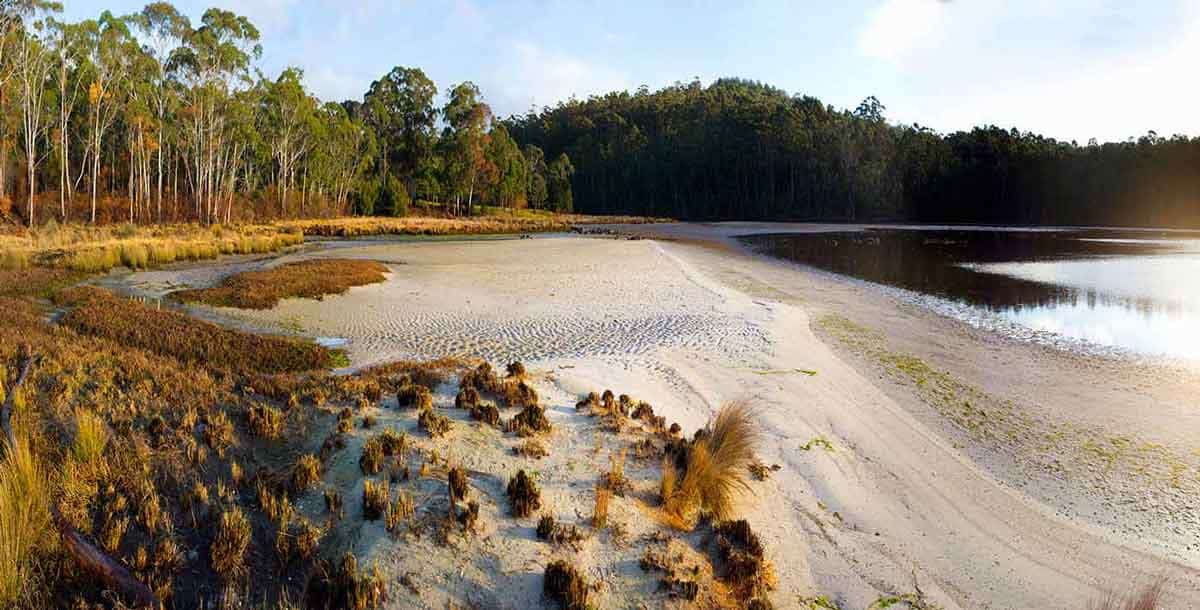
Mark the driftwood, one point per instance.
(92, 559)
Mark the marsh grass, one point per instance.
(91, 437)
(99, 313)
(310, 279)
(477, 225)
(24, 517)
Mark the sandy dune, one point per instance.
(898, 501)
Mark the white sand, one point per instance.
(898, 498)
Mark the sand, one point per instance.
(1024, 506)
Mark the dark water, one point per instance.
(1132, 291)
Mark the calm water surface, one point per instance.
(1124, 291)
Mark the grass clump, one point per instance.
(742, 561)
(344, 586)
(91, 437)
(414, 396)
(457, 481)
(518, 394)
(306, 473)
(524, 497)
(228, 548)
(376, 496)
(565, 585)
(481, 378)
(24, 517)
(531, 448)
(600, 510)
(467, 398)
(401, 510)
(531, 420)
(371, 461)
(486, 413)
(1147, 597)
(265, 421)
(436, 425)
(713, 472)
(312, 279)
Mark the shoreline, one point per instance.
(899, 496)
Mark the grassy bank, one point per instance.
(91, 249)
(311, 279)
(522, 221)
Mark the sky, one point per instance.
(1068, 69)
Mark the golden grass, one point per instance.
(1144, 598)
(524, 497)
(428, 225)
(564, 584)
(91, 437)
(94, 249)
(311, 279)
(228, 549)
(306, 473)
(376, 497)
(24, 517)
(600, 510)
(717, 464)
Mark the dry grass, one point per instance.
(91, 437)
(311, 279)
(1147, 597)
(524, 497)
(94, 249)
(529, 222)
(565, 585)
(717, 463)
(376, 497)
(436, 425)
(24, 518)
(228, 549)
(600, 510)
(344, 587)
(400, 511)
(306, 473)
(414, 396)
(99, 313)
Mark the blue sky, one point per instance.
(1070, 69)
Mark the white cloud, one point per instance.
(897, 29)
(528, 75)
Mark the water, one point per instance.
(1121, 291)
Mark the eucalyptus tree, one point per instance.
(288, 114)
(535, 176)
(70, 77)
(213, 61)
(509, 186)
(465, 138)
(108, 43)
(558, 183)
(33, 62)
(163, 28)
(399, 107)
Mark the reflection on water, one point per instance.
(1136, 291)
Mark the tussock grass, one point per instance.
(717, 462)
(524, 497)
(91, 437)
(600, 510)
(344, 586)
(310, 279)
(228, 550)
(306, 473)
(565, 585)
(1147, 597)
(24, 517)
(376, 497)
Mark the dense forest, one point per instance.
(743, 150)
(150, 118)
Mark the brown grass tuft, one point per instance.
(600, 510)
(228, 548)
(414, 396)
(436, 425)
(24, 516)
(565, 585)
(457, 480)
(376, 496)
(306, 473)
(1145, 598)
(717, 463)
(524, 497)
(345, 586)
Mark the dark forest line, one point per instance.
(742, 150)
